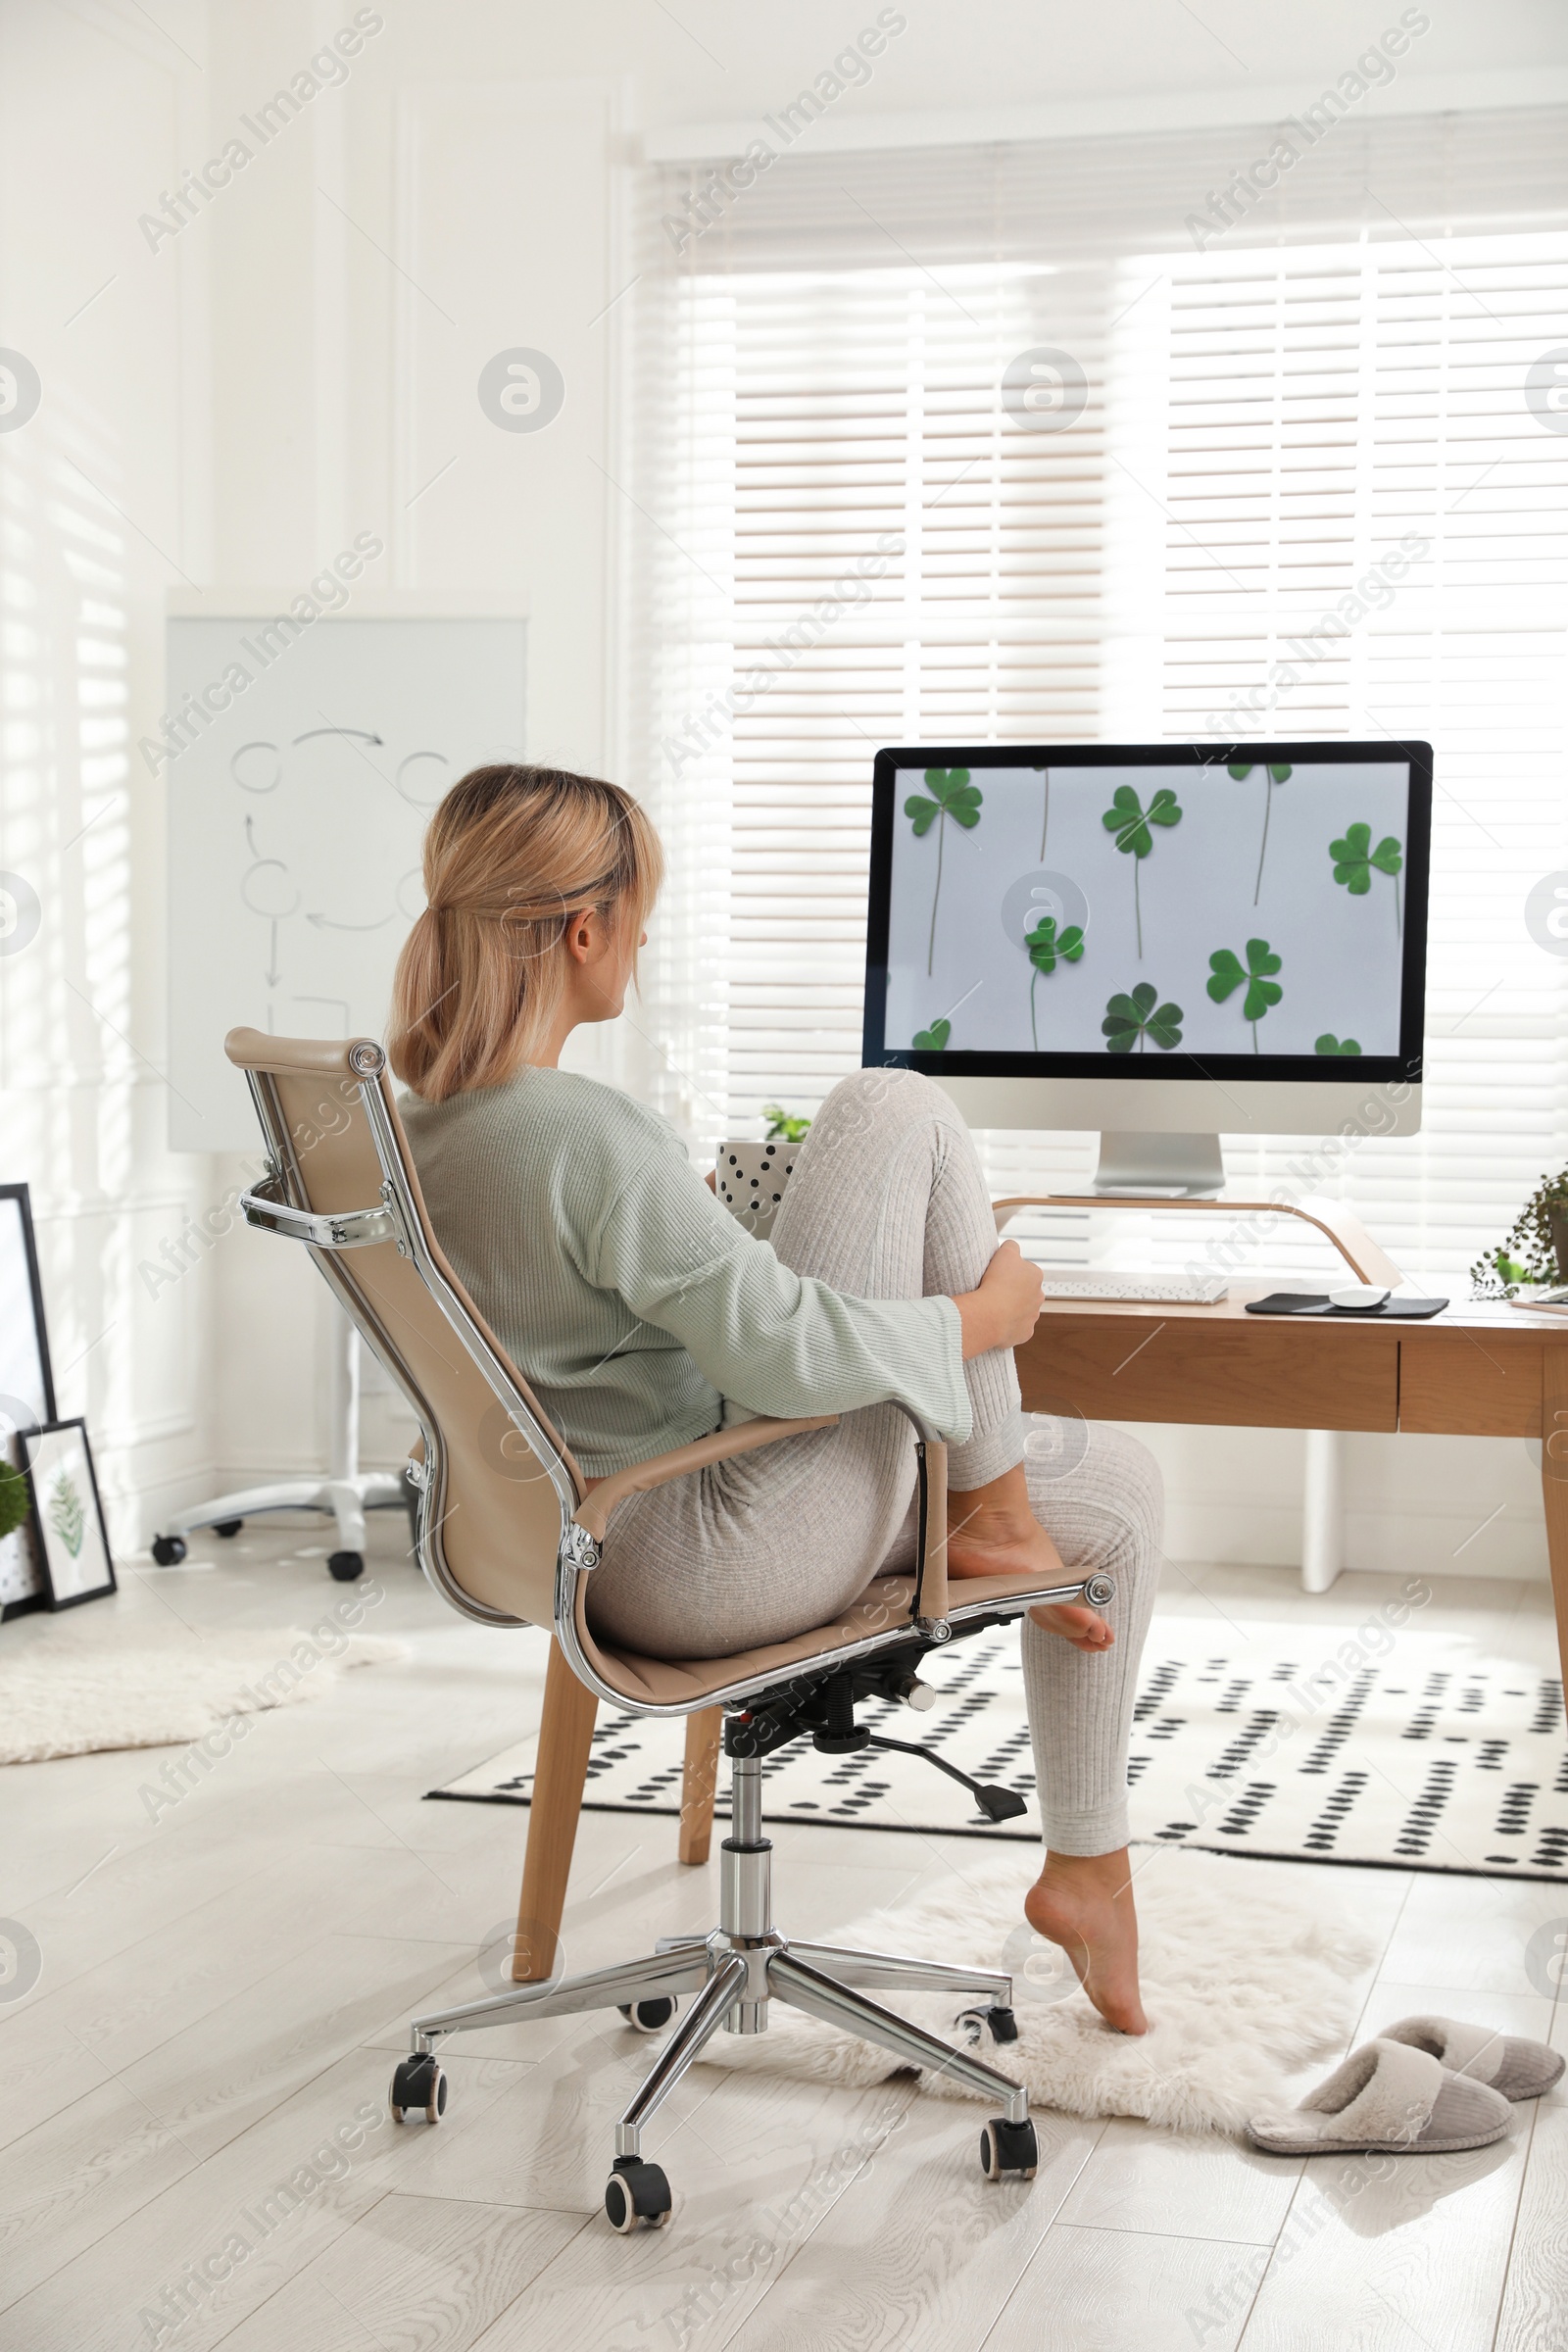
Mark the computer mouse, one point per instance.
(1360, 1297)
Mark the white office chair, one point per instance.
(509, 1537)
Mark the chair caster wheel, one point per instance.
(1008, 2148)
(228, 1527)
(976, 2024)
(167, 1551)
(418, 2083)
(647, 2017)
(637, 2192)
(344, 1566)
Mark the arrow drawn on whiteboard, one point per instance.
(359, 731)
(337, 1002)
(325, 922)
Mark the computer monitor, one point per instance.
(1168, 942)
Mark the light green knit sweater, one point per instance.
(641, 1312)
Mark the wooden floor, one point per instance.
(194, 2144)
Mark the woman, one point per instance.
(645, 1316)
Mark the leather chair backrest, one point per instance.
(496, 1496)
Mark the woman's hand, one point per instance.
(1004, 1309)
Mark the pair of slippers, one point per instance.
(1424, 2087)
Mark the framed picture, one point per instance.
(26, 1385)
(72, 1545)
(26, 1388)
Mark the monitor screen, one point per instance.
(1149, 909)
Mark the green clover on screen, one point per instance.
(1228, 972)
(1354, 858)
(1130, 1019)
(1278, 771)
(1046, 950)
(951, 794)
(934, 1039)
(1130, 820)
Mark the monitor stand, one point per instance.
(1165, 1167)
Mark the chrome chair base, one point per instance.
(732, 1975)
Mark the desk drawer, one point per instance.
(1254, 1374)
(1456, 1384)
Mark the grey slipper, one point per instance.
(1391, 2099)
(1519, 2067)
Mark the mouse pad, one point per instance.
(1313, 1303)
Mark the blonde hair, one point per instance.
(511, 856)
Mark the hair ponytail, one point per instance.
(511, 856)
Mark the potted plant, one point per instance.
(1534, 1248)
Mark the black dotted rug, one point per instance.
(1426, 1758)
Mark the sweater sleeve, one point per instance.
(769, 1339)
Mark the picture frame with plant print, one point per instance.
(67, 1516)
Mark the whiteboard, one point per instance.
(295, 823)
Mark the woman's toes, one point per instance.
(1083, 1627)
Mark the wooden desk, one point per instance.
(1474, 1371)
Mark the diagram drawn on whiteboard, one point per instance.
(296, 826)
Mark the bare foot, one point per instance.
(1085, 1904)
(992, 1532)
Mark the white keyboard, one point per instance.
(1137, 1290)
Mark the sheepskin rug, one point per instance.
(1248, 1974)
(61, 1699)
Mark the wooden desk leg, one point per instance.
(1554, 1484)
(697, 1782)
(565, 1729)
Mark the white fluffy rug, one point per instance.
(61, 1699)
(1248, 1972)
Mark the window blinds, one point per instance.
(1304, 495)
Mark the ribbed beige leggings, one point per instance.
(887, 1202)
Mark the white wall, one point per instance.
(462, 192)
(104, 495)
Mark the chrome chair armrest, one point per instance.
(339, 1229)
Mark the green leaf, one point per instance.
(934, 1039)
(1130, 822)
(1354, 858)
(1141, 1014)
(924, 813)
(1280, 771)
(66, 1514)
(1228, 972)
(1045, 950)
(1327, 1043)
(1125, 819)
(786, 1127)
(952, 791)
(1240, 768)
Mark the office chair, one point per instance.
(508, 1536)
